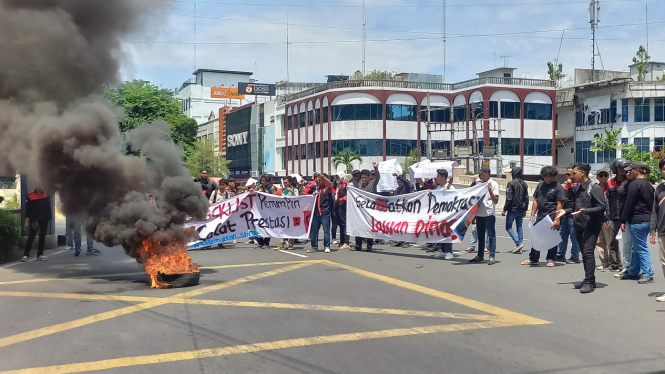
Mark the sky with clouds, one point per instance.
(402, 36)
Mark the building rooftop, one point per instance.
(496, 70)
(650, 62)
(221, 72)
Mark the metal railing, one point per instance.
(364, 83)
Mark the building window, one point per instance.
(510, 110)
(642, 144)
(317, 150)
(613, 111)
(659, 110)
(582, 153)
(325, 149)
(401, 112)
(538, 111)
(624, 110)
(605, 156)
(357, 112)
(579, 119)
(310, 118)
(303, 118)
(459, 113)
(437, 114)
(478, 113)
(363, 147)
(494, 109)
(510, 146)
(658, 144)
(303, 151)
(325, 114)
(317, 116)
(624, 141)
(537, 147)
(642, 109)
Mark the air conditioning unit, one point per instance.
(557, 132)
(440, 153)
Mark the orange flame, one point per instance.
(170, 259)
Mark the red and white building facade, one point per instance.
(382, 120)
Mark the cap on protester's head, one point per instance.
(485, 169)
(640, 166)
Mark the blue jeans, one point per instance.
(641, 257)
(73, 233)
(568, 230)
(627, 253)
(518, 217)
(486, 225)
(317, 221)
(474, 239)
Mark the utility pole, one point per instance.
(429, 133)
(594, 18)
(364, 36)
(499, 158)
(445, 38)
(288, 80)
(476, 153)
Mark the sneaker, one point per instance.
(492, 261)
(550, 263)
(97, 251)
(250, 242)
(24, 259)
(311, 250)
(41, 258)
(449, 256)
(69, 247)
(620, 274)
(587, 287)
(614, 268)
(603, 267)
(579, 285)
(627, 276)
(470, 250)
(440, 255)
(487, 250)
(369, 249)
(661, 298)
(560, 259)
(477, 260)
(290, 248)
(518, 249)
(326, 250)
(645, 280)
(528, 262)
(335, 241)
(345, 246)
(432, 249)
(235, 241)
(77, 253)
(573, 261)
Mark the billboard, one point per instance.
(261, 89)
(225, 93)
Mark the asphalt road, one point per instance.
(395, 310)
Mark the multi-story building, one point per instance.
(635, 107)
(387, 119)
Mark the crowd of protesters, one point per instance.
(592, 215)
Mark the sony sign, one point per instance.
(237, 139)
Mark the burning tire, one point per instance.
(179, 280)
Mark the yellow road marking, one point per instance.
(256, 264)
(257, 347)
(505, 314)
(18, 338)
(253, 304)
(135, 308)
(28, 281)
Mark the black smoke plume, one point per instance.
(55, 56)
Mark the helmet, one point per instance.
(619, 162)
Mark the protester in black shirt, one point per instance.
(548, 199)
(37, 216)
(637, 217)
(207, 185)
(517, 203)
(588, 211)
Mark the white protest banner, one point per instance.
(387, 182)
(433, 216)
(542, 235)
(255, 214)
(426, 169)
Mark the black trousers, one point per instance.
(334, 222)
(263, 241)
(587, 237)
(343, 237)
(359, 243)
(534, 256)
(43, 227)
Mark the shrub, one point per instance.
(10, 234)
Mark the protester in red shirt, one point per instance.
(324, 191)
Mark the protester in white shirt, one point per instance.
(442, 183)
(485, 219)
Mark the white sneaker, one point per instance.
(235, 241)
(326, 250)
(449, 256)
(24, 259)
(518, 249)
(619, 274)
(440, 255)
(41, 258)
(335, 241)
(661, 298)
(311, 250)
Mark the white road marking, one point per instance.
(508, 237)
(292, 253)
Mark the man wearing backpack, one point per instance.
(517, 203)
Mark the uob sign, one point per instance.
(237, 139)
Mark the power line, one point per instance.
(395, 6)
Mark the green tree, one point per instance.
(374, 75)
(555, 72)
(144, 102)
(641, 59)
(609, 143)
(631, 154)
(12, 203)
(413, 157)
(346, 158)
(203, 155)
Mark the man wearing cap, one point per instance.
(588, 212)
(485, 219)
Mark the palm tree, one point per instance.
(346, 158)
